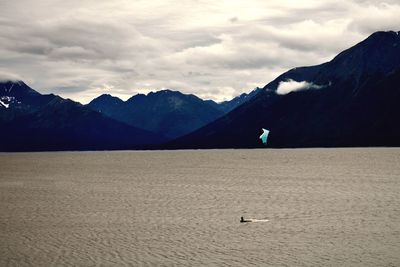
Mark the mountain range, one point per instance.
(351, 100)
(31, 121)
(166, 112)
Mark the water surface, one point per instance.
(315, 207)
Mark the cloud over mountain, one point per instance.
(290, 85)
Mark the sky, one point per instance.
(80, 49)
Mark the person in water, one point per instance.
(242, 220)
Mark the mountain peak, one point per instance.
(105, 100)
(377, 54)
(7, 86)
(384, 34)
(107, 97)
(164, 92)
(15, 91)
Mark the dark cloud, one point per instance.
(80, 49)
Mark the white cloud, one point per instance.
(290, 85)
(6, 76)
(378, 17)
(215, 49)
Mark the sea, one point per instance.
(304, 207)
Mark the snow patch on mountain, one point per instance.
(4, 104)
(5, 101)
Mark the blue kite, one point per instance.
(264, 136)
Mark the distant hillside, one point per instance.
(167, 112)
(227, 106)
(30, 121)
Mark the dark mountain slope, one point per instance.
(227, 106)
(357, 105)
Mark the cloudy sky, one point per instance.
(215, 49)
